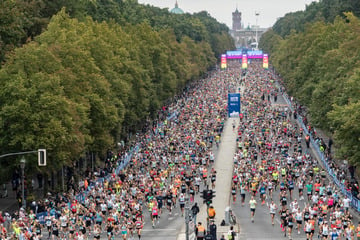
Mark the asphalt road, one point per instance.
(262, 228)
(167, 228)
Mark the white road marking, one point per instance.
(159, 229)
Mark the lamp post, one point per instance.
(22, 166)
(256, 29)
(188, 218)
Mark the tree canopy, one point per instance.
(320, 67)
(87, 80)
(324, 10)
(22, 20)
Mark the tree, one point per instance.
(320, 67)
(345, 120)
(82, 85)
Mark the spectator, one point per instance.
(212, 229)
(211, 213)
(195, 210)
(200, 231)
(231, 233)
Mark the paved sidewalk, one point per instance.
(224, 167)
(9, 203)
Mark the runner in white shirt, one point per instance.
(315, 197)
(48, 223)
(64, 225)
(103, 208)
(294, 205)
(325, 230)
(242, 193)
(299, 219)
(252, 204)
(272, 208)
(337, 213)
(308, 227)
(346, 203)
(270, 187)
(197, 183)
(211, 157)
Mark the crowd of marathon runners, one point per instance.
(274, 167)
(174, 161)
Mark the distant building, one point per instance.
(244, 37)
(236, 20)
(176, 9)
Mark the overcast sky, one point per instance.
(269, 10)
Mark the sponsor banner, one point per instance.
(233, 104)
(244, 61)
(254, 54)
(223, 61)
(239, 54)
(234, 54)
(266, 61)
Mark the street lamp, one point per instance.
(187, 218)
(256, 30)
(22, 166)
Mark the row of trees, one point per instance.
(324, 10)
(22, 20)
(83, 84)
(321, 68)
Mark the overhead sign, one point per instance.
(233, 104)
(254, 54)
(250, 54)
(244, 61)
(223, 64)
(234, 54)
(266, 61)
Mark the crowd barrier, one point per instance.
(355, 202)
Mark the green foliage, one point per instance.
(83, 85)
(345, 120)
(21, 20)
(325, 10)
(269, 41)
(321, 68)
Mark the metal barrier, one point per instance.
(355, 202)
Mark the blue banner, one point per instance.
(233, 104)
(255, 54)
(239, 54)
(234, 54)
(41, 217)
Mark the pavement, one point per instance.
(262, 228)
(172, 227)
(9, 203)
(223, 165)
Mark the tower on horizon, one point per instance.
(236, 20)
